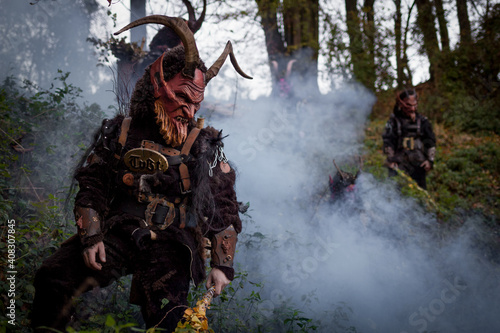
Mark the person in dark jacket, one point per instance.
(155, 189)
(409, 141)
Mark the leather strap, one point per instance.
(399, 131)
(183, 169)
(159, 148)
(190, 140)
(123, 134)
(173, 155)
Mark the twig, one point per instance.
(166, 314)
(340, 171)
(13, 140)
(41, 113)
(32, 187)
(22, 188)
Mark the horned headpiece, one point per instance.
(178, 100)
(180, 27)
(403, 94)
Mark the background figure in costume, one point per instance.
(342, 183)
(153, 188)
(409, 141)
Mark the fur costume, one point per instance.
(163, 267)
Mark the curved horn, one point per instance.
(182, 30)
(194, 24)
(289, 68)
(275, 66)
(214, 69)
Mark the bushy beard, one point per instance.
(173, 133)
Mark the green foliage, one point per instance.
(465, 174)
(42, 132)
(106, 309)
(466, 95)
(467, 177)
(472, 115)
(366, 58)
(242, 308)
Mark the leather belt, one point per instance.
(158, 212)
(174, 157)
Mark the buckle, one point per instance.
(181, 187)
(151, 211)
(148, 144)
(408, 143)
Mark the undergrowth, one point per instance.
(465, 176)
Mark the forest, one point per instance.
(325, 79)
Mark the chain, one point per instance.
(219, 156)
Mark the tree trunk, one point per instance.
(443, 28)
(425, 21)
(408, 76)
(301, 24)
(369, 30)
(137, 10)
(403, 79)
(301, 20)
(355, 41)
(299, 42)
(463, 22)
(398, 36)
(268, 11)
(275, 46)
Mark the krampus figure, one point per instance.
(154, 186)
(342, 183)
(409, 141)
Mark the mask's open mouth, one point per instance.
(182, 120)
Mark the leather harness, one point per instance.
(413, 132)
(154, 209)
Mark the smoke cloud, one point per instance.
(374, 262)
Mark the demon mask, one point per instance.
(407, 102)
(177, 101)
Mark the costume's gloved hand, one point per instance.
(217, 278)
(392, 165)
(141, 237)
(90, 254)
(391, 161)
(427, 165)
(431, 155)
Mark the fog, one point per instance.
(376, 261)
